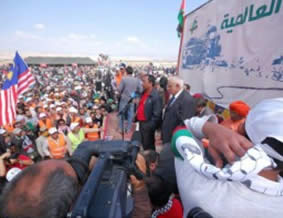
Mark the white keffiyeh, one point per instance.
(244, 170)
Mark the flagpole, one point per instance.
(180, 47)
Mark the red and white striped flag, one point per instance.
(19, 79)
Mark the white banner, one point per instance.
(233, 50)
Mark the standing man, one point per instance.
(181, 106)
(58, 144)
(128, 86)
(149, 112)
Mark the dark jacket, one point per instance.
(153, 109)
(183, 108)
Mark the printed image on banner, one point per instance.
(233, 50)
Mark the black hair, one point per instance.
(57, 194)
(158, 192)
(187, 86)
(201, 102)
(151, 79)
(277, 146)
(163, 82)
(59, 121)
(129, 70)
(150, 156)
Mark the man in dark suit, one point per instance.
(149, 112)
(181, 106)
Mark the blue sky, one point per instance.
(125, 28)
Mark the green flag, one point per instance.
(181, 18)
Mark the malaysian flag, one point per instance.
(19, 79)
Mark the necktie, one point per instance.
(171, 101)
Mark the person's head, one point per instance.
(158, 192)
(151, 157)
(3, 132)
(75, 127)
(129, 70)
(148, 82)
(59, 111)
(82, 111)
(20, 121)
(238, 110)
(8, 140)
(103, 110)
(122, 68)
(53, 132)
(89, 121)
(175, 84)
(43, 117)
(102, 100)
(46, 190)
(163, 82)
(73, 111)
(18, 132)
(61, 123)
(200, 105)
(28, 114)
(187, 87)
(264, 126)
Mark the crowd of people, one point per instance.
(208, 166)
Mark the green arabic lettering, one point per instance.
(224, 24)
(241, 19)
(278, 6)
(262, 11)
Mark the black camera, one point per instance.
(108, 191)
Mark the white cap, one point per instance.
(74, 125)
(78, 88)
(42, 115)
(28, 99)
(73, 110)
(45, 106)
(58, 109)
(17, 131)
(2, 131)
(52, 106)
(88, 120)
(11, 174)
(52, 130)
(19, 118)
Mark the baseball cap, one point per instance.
(2, 131)
(74, 125)
(73, 110)
(12, 173)
(42, 115)
(88, 120)
(17, 131)
(52, 130)
(58, 109)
